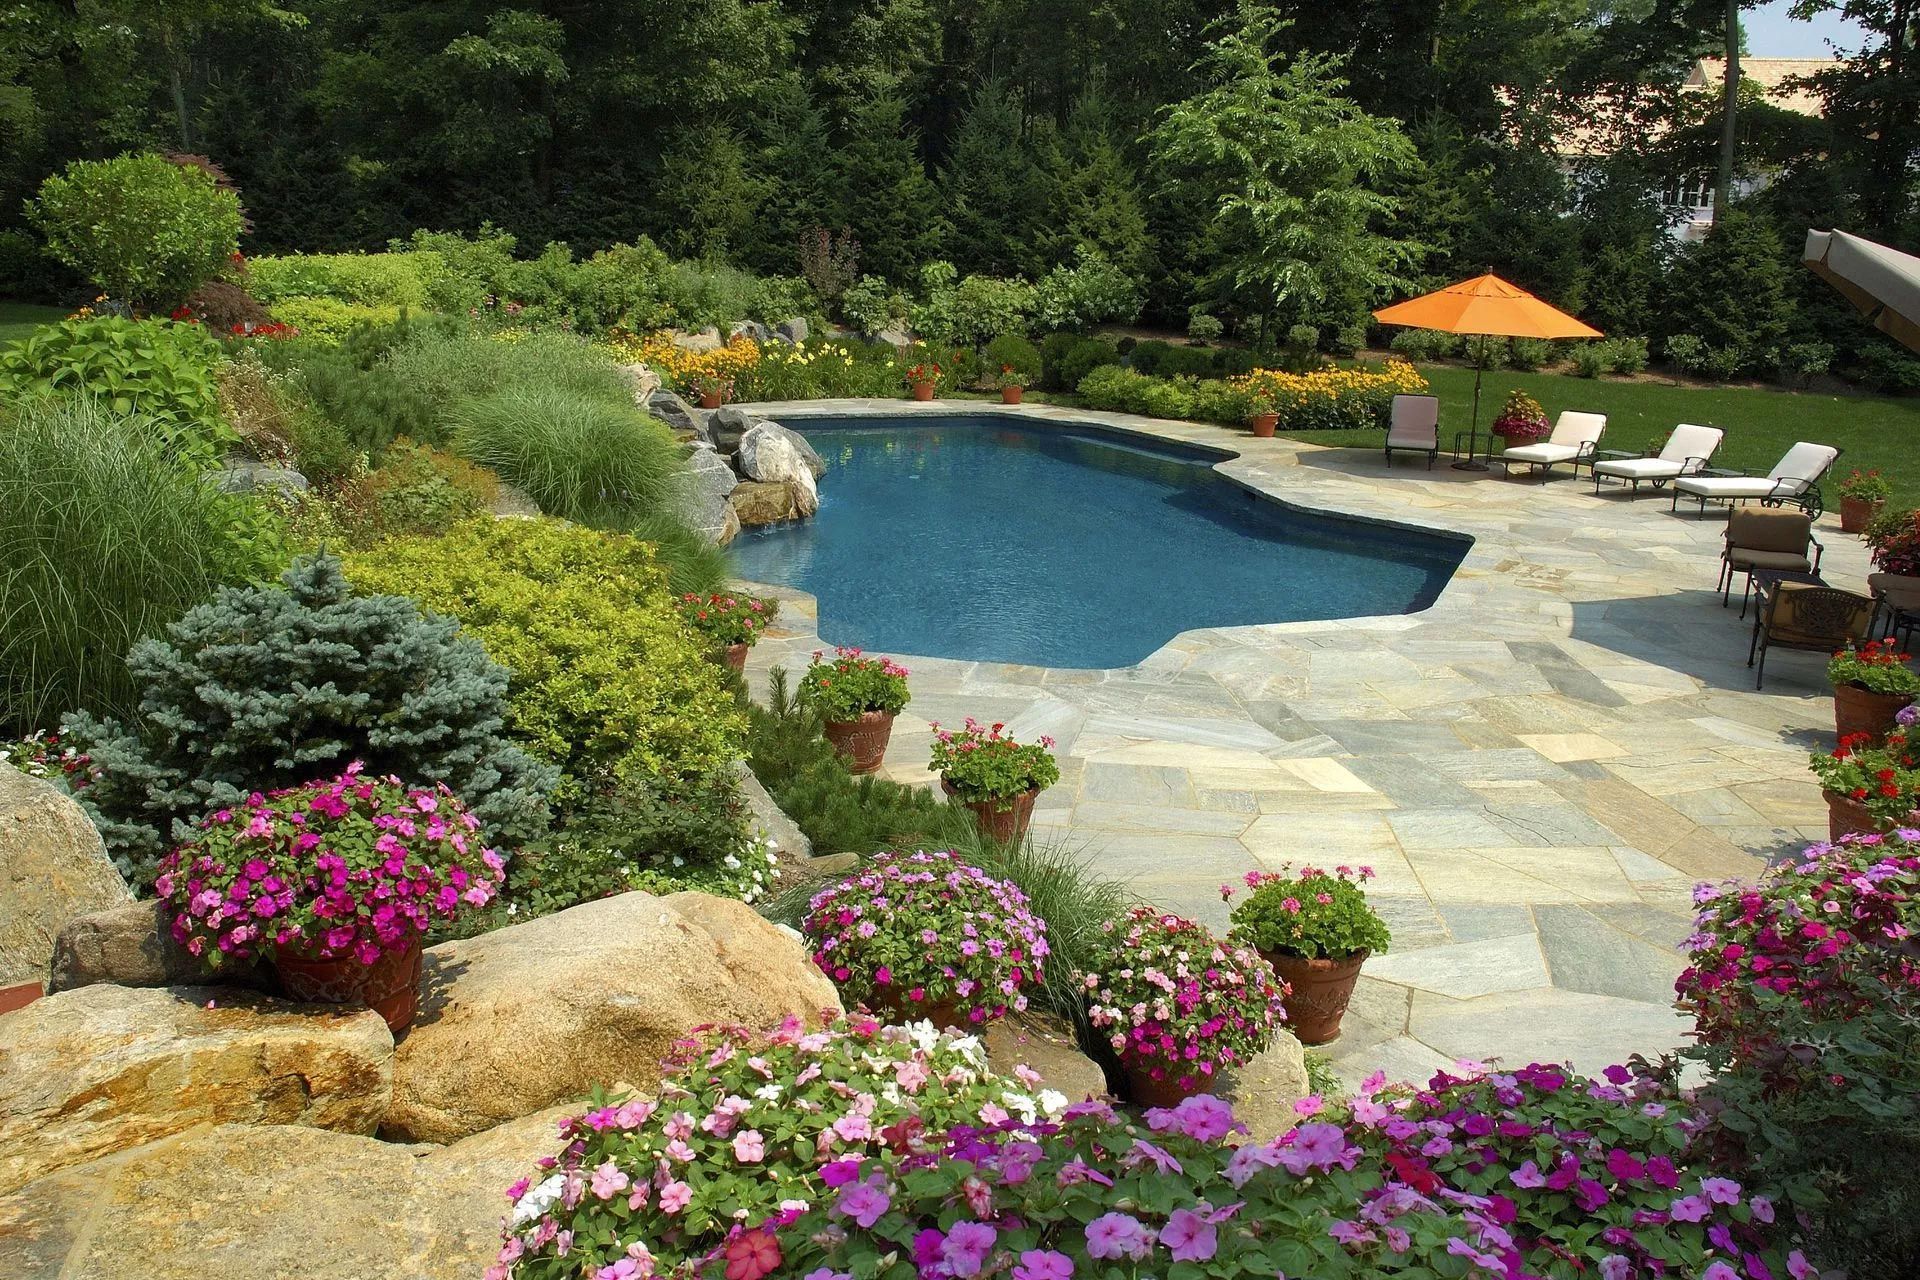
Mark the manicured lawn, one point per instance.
(1870, 431)
(18, 319)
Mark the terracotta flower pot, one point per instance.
(1264, 423)
(1319, 992)
(941, 1013)
(861, 743)
(1847, 816)
(1857, 513)
(712, 399)
(735, 656)
(1011, 395)
(1857, 710)
(390, 986)
(923, 391)
(1005, 825)
(1144, 1091)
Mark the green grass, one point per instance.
(1761, 425)
(19, 319)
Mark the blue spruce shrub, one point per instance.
(268, 687)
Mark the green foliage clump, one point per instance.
(416, 490)
(330, 319)
(105, 537)
(1730, 291)
(1011, 351)
(971, 311)
(266, 687)
(1425, 344)
(146, 230)
(607, 684)
(1129, 391)
(1202, 327)
(871, 304)
(1624, 355)
(1589, 361)
(1069, 358)
(1529, 354)
(1092, 291)
(364, 279)
(160, 370)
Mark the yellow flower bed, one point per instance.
(678, 366)
(1330, 399)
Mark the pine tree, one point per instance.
(796, 173)
(1097, 193)
(997, 194)
(891, 205)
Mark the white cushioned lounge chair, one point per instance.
(1687, 450)
(1575, 436)
(1794, 481)
(1414, 427)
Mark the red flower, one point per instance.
(752, 1254)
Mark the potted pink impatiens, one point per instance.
(335, 882)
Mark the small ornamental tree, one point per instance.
(268, 687)
(147, 231)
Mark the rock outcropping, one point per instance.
(53, 867)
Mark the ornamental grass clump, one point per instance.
(1486, 1175)
(853, 684)
(746, 1125)
(1177, 1003)
(982, 764)
(356, 867)
(1316, 914)
(925, 931)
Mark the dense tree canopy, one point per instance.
(1420, 142)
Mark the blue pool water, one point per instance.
(976, 538)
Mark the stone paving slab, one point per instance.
(1539, 766)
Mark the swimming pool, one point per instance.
(980, 537)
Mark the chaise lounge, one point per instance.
(1794, 481)
(1414, 427)
(1687, 451)
(1575, 437)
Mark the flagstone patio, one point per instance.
(1539, 767)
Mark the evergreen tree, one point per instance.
(1097, 198)
(797, 180)
(890, 203)
(1730, 291)
(996, 194)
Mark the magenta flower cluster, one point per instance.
(914, 930)
(1510, 1175)
(357, 866)
(1178, 1003)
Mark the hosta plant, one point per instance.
(853, 684)
(925, 928)
(724, 619)
(1487, 1176)
(1177, 1003)
(983, 764)
(1317, 914)
(356, 866)
(745, 1125)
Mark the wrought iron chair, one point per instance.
(1763, 538)
(1799, 615)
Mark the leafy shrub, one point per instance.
(160, 370)
(1012, 350)
(1202, 327)
(971, 311)
(225, 308)
(1313, 914)
(1065, 370)
(147, 231)
(267, 687)
(329, 319)
(418, 490)
(1625, 355)
(914, 930)
(1886, 368)
(1799, 362)
(1092, 291)
(1129, 391)
(1484, 352)
(1533, 1171)
(1589, 360)
(1687, 352)
(1529, 354)
(606, 682)
(1808, 1024)
(1732, 291)
(1216, 400)
(367, 406)
(578, 457)
(104, 539)
(1425, 344)
(1147, 357)
(1347, 339)
(871, 304)
(365, 279)
(763, 1116)
(315, 869)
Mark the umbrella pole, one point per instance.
(1472, 463)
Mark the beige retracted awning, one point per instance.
(1884, 283)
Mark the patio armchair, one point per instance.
(1898, 596)
(1575, 437)
(1794, 481)
(1765, 539)
(1800, 615)
(1688, 450)
(1414, 427)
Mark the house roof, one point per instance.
(1597, 125)
(1771, 74)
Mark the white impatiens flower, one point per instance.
(925, 1034)
(970, 1048)
(1052, 1101)
(538, 1199)
(1028, 1109)
(767, 1092)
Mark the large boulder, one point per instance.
(680, 416)
(88, 1072)
(708, 339)
(239, 1203)
(749, 329)
(1265, 1089)
(793, 331)
(757, 503)
(769, 453)
(729, 423)
(1046, 1046)
(704, 503)
(782, 834)
(53, 867)
(895, 335)
(131, 946)
(249, 475)
(642, 378)
(527, 1016)
(765, 431)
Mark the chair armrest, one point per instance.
(1778, 492)
(1818, 551)
(1692, 466)
(1585, 449)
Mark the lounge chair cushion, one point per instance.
(1782, 531)
(1727, 486)
(1691, 444)
(1746, 558)
(1542, 453)
(1804, 463)
(1638, 468)
(1900, 590)
(1415, 423)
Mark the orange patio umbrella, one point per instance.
(1485, 306)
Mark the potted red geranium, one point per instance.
(1012, 384)
(923, 378)
(857, 698)
(730, 623)
(1870, 787)
(336, 882)
(993, 775)
(1871, 685)
(1316, 930)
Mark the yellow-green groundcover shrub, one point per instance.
(606, 682)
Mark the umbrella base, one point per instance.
(1471, 466)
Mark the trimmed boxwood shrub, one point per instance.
(606, 682)
(146, 230)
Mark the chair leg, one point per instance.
(1746, 593)
(1760, 673)
(1753, 641)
